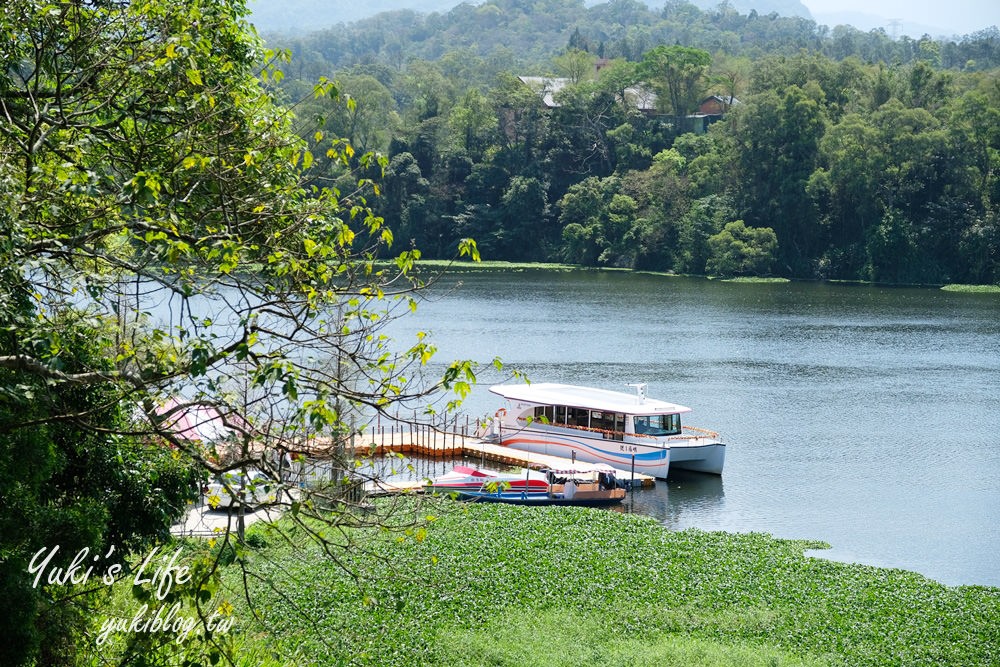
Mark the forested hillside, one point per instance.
(842, 154)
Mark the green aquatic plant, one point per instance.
(973, 289)
(490, 585)
(755, 279)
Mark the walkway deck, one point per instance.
(451, 445)
(201, 521)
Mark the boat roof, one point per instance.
(548, 393)
(579, 468)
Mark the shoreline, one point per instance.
(465, 266)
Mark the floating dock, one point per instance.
(435, 444)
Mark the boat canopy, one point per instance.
(571, 468)
(547, 393)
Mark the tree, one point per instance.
(521, 233)
(575, 64)
(731, 75)
(914, 182)
(846, 190)
(976, 120)
(578, 42)
(582, 210)
(677, 72)
(160, 251)
(473, 123)
(519, 116)
(739, 250)
(706, 217)
(577, 141)
(600, 224)
(70, 483)
(778, 146)
(365, 116)
(425, 91)
(617, 78)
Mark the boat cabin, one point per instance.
(613, 425)
(629, 431)
(582, 482)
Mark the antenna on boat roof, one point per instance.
(640, 390)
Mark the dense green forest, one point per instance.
(846, 155)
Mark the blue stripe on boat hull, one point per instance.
(654, 461)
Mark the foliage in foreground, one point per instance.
(502, 585)
(164, 254)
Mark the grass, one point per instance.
(458, 266)
(498, 585)
(754, 279)
(973, 289)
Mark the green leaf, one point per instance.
(468, 248)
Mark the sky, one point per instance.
(959, 16)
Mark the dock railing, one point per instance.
(439, 436)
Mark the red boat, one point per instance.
(470, 479)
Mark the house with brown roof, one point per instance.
(710, 110)
(717, 105)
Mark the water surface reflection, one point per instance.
(866, 417)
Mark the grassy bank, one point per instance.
(455, 266)
(973, 289)
(752, 279)
(497, 585)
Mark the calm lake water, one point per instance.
(866, 417)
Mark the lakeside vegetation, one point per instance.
(785, 184)
(452, 267)
(754, 279)
(501, 585)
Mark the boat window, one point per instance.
(578, 417)
(613, 423)
(545, 414)
(657, 425)
(561, 416)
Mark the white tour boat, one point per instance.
(601, 426)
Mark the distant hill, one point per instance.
(296, 16)
(779, 7)
(893, 28)
(303, 16)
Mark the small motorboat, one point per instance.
(577, 484)
(467, 478)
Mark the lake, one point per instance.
(867, 417)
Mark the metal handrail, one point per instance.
(705, 432)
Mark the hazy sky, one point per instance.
(962, 16)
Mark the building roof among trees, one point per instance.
(548, 87)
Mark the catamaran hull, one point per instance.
(654, 461)
(708, 458)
